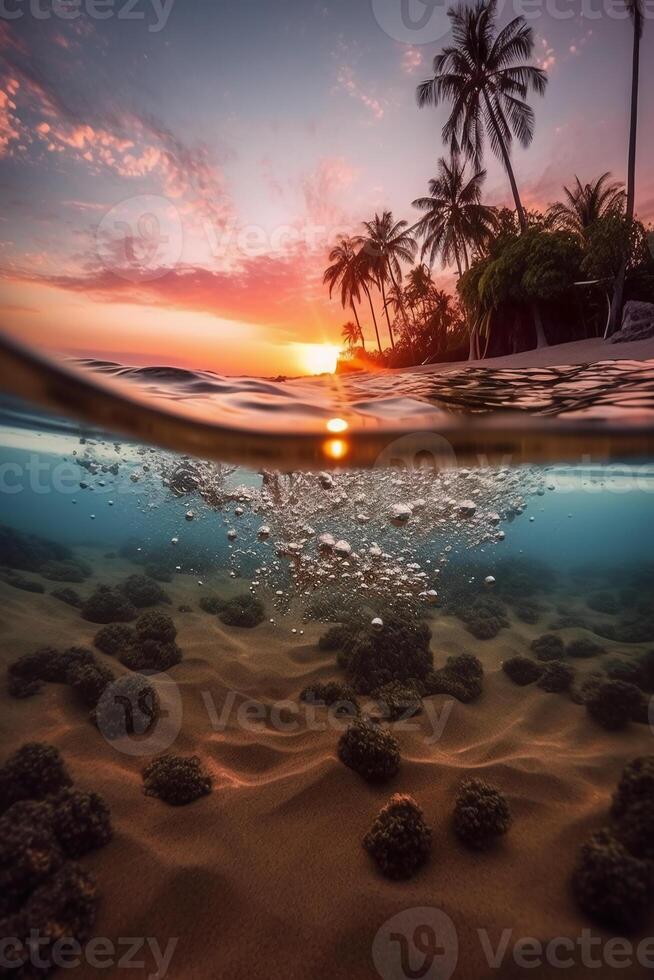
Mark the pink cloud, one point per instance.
(347, 82)
(411, 60)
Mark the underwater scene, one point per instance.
(389, 722)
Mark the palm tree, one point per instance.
(454, 215)
(486, 77)
(385, 244)
(586, 204)
(344, 272)
(636, 10)
(351, 334)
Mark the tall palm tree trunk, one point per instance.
(374, 318)
(388, 319)
(356, 317)
(541, 338)
(506, 159)
(618, 289)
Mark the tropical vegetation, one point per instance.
(523, 278)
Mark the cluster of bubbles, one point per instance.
(382, 533)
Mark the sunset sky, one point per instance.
(238, 138)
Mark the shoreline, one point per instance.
(591, 351)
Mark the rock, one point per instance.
(637, 322)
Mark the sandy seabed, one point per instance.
(266, 877)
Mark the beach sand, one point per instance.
(266, 877)
(589, 351)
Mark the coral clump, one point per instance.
(522, 670)
(462, 677)
(332, 694)
(636, 784)
(22, 583)
(33, 772)
(335, 638)
(211, 604)
(62, 907)
(29, 672)
(113, 638)
(621, 669)
(155, 625)
(528, 611)
(69, 596)
(28, 552)
(70, 570)
(481, 814)
(603, 602)
(107, 605)
(484, 617)
(398, 699)
(613, 704)
(143, 591)
(129, 706)
(372, 752)
(177, 780)
(635, 829)
(29, 854)
(81, 821)
(557, 677)
(399, 840)
(150, 656)
(243, 610)
(89, 681)
(610, 884)
(399, 651)
(582, 649)
(548, 647)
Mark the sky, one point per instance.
(174, 171)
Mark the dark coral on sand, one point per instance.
(177, 780)
(33, 772)
(28, 552)
(69, 596)
(211, 604)
(244, 610)
(113, 638)
(373, 752)
(484, 617)
(582, 649)
(107, 605)
(29, 854)
(636, 784)
(399, 651)
(129, 706)
(622, 669)
(156, 625)
(142, 591)
(481, 814)
(332, 694)
(89, 681)
(398, 699)
(399, 840)
(635, 829)
(22, 583)
(46, 664)
(151, 656)
(522, 670)
(81, 821)
(613, 704)
(462, 677)
(610, 884)
(335, 638)
(549, 646)
(70, 570)
(557, 677)
(65, 905)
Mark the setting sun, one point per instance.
(317, 358)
